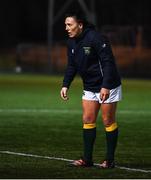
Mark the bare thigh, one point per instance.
(90, 111)
(108, 113)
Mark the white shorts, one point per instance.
(115, 95)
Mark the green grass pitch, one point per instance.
(34, 120)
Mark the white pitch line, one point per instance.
(134, 169)
(69, 160)
(36, 156)
(67, 111)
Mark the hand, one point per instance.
(63, 93)
(104, 94)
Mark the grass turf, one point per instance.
(33, 119)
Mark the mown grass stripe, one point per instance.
(65, 111)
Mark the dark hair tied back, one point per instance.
(79, 16)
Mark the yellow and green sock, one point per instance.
(89, 135)
(111, 139)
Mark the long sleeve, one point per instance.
(70, 70)
(107, 62)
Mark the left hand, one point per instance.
(104, 94)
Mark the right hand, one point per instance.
(63, 93)
(104, 94)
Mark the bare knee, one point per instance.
(108, 123)
(108, 113)
(90, 118)
(108, 119)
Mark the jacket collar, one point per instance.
(84, 32)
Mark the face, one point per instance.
(73, 27)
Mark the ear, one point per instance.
(80, 25)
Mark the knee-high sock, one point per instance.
(111, 140)
(89, 135)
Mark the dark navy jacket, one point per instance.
(91, 56)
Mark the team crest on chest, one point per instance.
(87, 50)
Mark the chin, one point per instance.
(71, 36)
